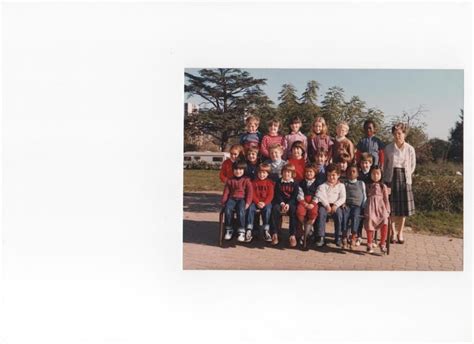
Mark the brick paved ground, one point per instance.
(201, 250)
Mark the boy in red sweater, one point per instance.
(236, 153)
(263, 189)
(237, 196)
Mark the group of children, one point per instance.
(309, 179)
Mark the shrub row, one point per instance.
(438, 193)
(202, 165)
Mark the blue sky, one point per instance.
(440, 91)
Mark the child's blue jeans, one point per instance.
(266, 213)
(239, 206)
(351, 219)
(338, 217)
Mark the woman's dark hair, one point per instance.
(402, 126)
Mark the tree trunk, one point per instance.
(224, 140)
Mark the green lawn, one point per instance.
(437, 222)
(432, 222)
(202, 180)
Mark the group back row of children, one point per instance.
(316, 177)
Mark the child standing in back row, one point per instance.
(377, 210)
(252, 137)
(319, 139)
(272, 138)
(295, 135)
(371, 144)
(342, 145)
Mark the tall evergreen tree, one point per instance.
(332, 108)
(355, 114)
(309, 108)
(289, 105)
(229, 95)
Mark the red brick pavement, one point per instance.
(201, 250)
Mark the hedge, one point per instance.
(438, 193)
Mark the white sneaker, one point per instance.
(358, 242)
(248, 235)
(228, 234)
(267, 236)
(241, 237)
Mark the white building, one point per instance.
(190, 108)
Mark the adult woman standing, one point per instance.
(400, 162)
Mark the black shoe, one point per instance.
(338, 243)
(320, 242)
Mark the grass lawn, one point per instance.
(437, 222)
(202, 180)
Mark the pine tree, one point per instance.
(332, 109)
(309, 108)
(229, 96)
(289, 105)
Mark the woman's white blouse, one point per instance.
(399, 156)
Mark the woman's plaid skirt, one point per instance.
(401, 196)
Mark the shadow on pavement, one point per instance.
(201, 202)
(207, 233)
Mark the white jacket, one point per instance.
(409, 162)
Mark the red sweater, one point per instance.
(238, 188)
(263, 191)
(299, 165)
(267, 141)
(226, 170)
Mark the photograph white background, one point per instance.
(92, 143)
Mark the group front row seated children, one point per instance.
(307, 202)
